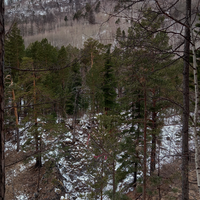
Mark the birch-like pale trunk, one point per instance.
(196, 137)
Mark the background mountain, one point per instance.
(62, 22)
(72, 22)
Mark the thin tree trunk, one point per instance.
(145, 145)
(92, 59)
(137, 139)
(2, 140)
(102, 172)
(196, 137)
(114, 184)
(75, 116)
(153, 142)
(93, 96)
(159, 192)
(16, 118)
(185, 146)
(8, 77)
(38, 157)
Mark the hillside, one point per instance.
(55, 21)
(94, 107)
(69, 176)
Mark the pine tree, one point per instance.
(92, 62)
(142, 53)
(14, 50)
(61, 78)
(109, 84)
(34, 90)
(28, 91)
(43, 54)
(74, 86)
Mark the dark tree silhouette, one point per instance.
(2, 156)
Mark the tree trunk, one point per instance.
(196, 137)
(159, 188)
(102, 175)
(114, 184)
(145, 145)
(2, 155)
(185, 127)
(37, 139)
(137, 139)
(16, 118)
(154, 138)
(93, 95)
(75, 115)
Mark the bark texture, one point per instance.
(2, 156)
(185, 127)
(196, 136)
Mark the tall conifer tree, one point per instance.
(14, 50)
(109, 83)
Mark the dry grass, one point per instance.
(32, 182)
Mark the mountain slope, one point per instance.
(61, 21)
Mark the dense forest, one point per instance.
(107, 121)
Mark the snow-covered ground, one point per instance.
(72, 164)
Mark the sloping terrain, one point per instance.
(66, 163)
(67, 22)
(56, 21)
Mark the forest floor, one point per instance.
(67, 178)
(24, 181)
(170, 184)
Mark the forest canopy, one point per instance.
(92, 121)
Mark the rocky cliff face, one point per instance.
(26, 9)
(72, 22)
(60, 21)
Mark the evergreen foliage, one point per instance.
(43, 54)
(109, 84)
(78, 15)
(74, 87)
(142, 52)
(120, 90)
(92, 61)
(14, 50)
